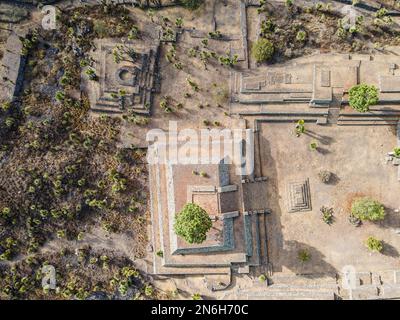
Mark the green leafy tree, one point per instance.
(374, 244)
(363, 96)
(192, 223)
(368, 209)
(262, 50)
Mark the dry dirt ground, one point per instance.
(210, 102)
(356, 156)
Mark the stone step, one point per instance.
(287, 119)
(364, 292)
(138, 111)
(270, 100)
(271, 294)
(365, 118)
(263, 239)
(366, 123)
(319, 120)
(372, 113)
(306, 287)
(101, 109)
(293, 279)
(205, 260)
(390, 292)
(284, 114)
(192, 271)
(319, 106)
(252, 239)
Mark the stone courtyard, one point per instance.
(358, 170)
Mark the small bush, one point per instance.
(196, 296)
(374, 244)
(327, 215)
(396, 152)
(368, 209)
(191, 4)
(362, 96)
(325, 176)
(262, 50)
(313, 146)
(301, 36)
(101, 28)
(304, 255)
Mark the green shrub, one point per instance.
(374, 244)
(192, 223)
(313, 146)
(325, 176)
(300, 127)
(367, 209)
(327, 215)
(196, 296)
(362, 96)
(101, 28)
(304, 255)
(289, 3)
(160, 253)
(301, 36)
(262, 50)
(191, 4)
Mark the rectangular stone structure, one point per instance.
(299, 196)
(389, 83)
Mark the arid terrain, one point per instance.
(76, 104)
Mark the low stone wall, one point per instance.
(398, 144)
(368, 7)
(12, 68)
(243, 29)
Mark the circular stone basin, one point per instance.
(124, 74)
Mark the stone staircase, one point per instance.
(334, 108)
(282, 286)
(256, 240)
(373, 117)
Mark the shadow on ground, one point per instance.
(285, 254)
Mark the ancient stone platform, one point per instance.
(299, 197)
(138, 79)
(309, 88)
(234, 242)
